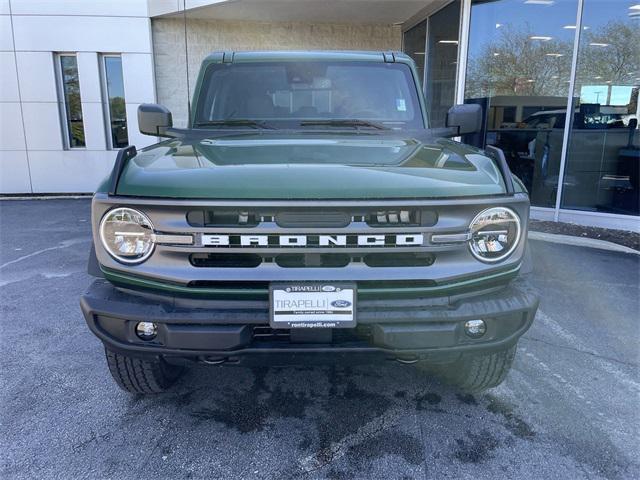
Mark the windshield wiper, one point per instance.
(346, 122)
(236, 122)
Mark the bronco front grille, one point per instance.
(304, 238)
(200, 243)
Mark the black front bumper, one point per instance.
(223, 329)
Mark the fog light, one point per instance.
(146, 330)
(475, 328)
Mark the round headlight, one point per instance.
(495, 234)
(127, 235)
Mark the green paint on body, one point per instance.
(134, 281)
(310, 165)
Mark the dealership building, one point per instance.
(73, 73)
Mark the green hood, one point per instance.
(309, 165)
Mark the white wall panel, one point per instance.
(162, 7)
(69, 171)
(42, 126)
(31, 133)
(94, 126)
(37, 77)
(137, 71)
(89, 75)
(11, 132)
(135, 137)
(14, 172)
(8, 78)
(86, 34)
(114, 8)
(6, 42)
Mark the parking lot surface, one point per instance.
(568, 409)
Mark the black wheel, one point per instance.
(135, 375)
(477, 372)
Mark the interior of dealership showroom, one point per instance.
(82, 75)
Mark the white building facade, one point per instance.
(73, 72)
(56, 143)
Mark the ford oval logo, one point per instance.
(328, 288)
(341, 303)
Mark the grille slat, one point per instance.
(312, 219)
(361, 333)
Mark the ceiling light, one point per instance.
(496, 54)
(555, 76)
(418, 53)
(530, 80)
(597, 78)
(540, 37)
(540, 2)
(554, 55)
(452, 42)
(597, 44)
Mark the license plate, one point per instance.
(312, 305)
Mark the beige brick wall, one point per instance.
(206, 36)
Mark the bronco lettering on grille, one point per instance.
(399, 240)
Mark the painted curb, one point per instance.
(581, 242)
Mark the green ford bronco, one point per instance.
(308, 212)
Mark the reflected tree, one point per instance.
(516, 64)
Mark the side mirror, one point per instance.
(466, 118)
(154, 119)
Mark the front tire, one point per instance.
(477, 372)
(135, 375)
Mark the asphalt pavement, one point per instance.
(568, 409)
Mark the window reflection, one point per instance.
(116, 103)
(519, 67)
(414, 46)
(72, 101)
(603, 154)
(442, 56)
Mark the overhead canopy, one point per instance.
(327, 11)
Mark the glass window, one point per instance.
(603, 155)
(72, 106)
(414, 45)
(289, 93)
(114, 90)
(519, 67)
(442, 62)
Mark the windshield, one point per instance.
(310, 94)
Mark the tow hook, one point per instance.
(214, 360)
(406, 361)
